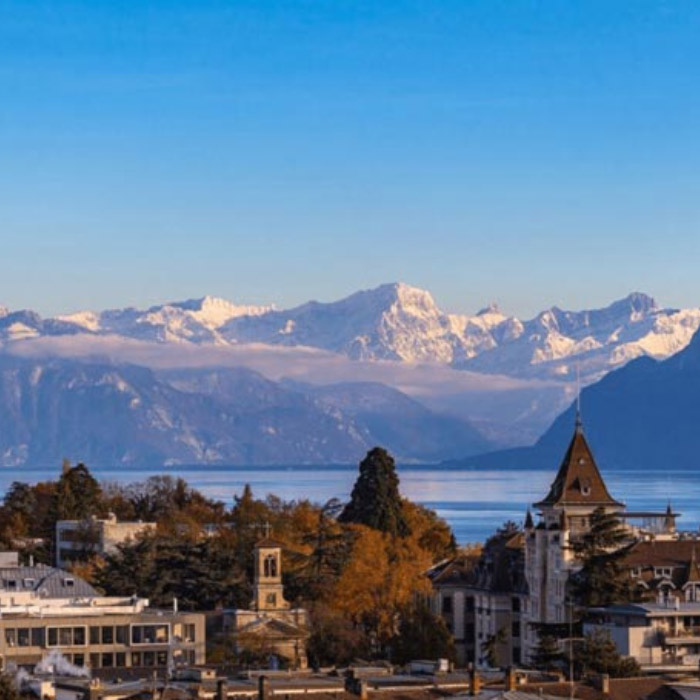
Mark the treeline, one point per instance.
(359, 568)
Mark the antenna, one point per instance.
(579, 422)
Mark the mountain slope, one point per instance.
(643, 416)
(107, 414)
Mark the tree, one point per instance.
(548, 655)
(375, 500)
(78, 494)
(599, 654)
(489, 648)
(421, 635)
(601, 580)
(8, 688)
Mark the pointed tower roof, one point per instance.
(529, 523)
(578, 481)
(693, 570)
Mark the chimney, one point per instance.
(511, 680)
(474, 682)
(174, 604)
(262, 688)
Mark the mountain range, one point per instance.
(111, 414)
(176, 383)
(643, 416)
(397, 322)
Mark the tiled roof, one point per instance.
(46, 580)
(578, 481)
(644, 688)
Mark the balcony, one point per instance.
(686, 635)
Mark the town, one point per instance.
(121, 591)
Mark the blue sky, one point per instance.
(530, 152)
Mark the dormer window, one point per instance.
(29, 582)
(585, 487)
(11, 584)
(663, 571)
(69, 582)
(636, 571)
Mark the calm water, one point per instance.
(474, 502)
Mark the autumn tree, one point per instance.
(8, 687)
(375, 500)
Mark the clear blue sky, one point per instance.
(532, 152)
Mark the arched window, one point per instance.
(270, 566)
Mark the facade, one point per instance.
(45, 612)
(482, 599)
(76, 538)
(270, 625)
(664, 635)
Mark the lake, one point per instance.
(474, 502)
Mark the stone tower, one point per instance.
(268, 593)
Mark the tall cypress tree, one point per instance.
(375, 500)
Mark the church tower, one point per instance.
(268, 593)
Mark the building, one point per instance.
(270, 626)
(661, 636)
(46, 611)
(77, 538)
(482, 598)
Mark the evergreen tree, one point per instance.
(375, 500)
(548, 654)
(601, 580)
(489, 648)
(599, 654)
(78, 494)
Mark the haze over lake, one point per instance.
(474, 502)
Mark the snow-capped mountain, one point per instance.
(400, 323)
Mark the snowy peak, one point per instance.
(399, 322)
(213, 312)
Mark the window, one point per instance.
(29, 583)
(108, 635)
(136, 659)
(161, 658)
(154, 633)
(94, 635)
(271, 599)
(149, 658)
(636, 571)
(122, 634)
(94, 660)
(270, 566)
(69, 582)
(663, 571)
(37, 636)
(120, 659)
(447, 604)
(189, 633)
(11, 584)
(469, 604)
(107, 660)
(515, 605)
(23, 637)
(11, 637)
(66, 636)
(515, 628)
(79, 659)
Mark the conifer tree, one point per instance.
(601, 581)
(375, 500)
